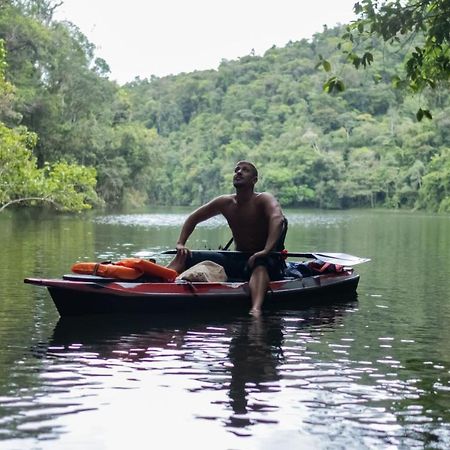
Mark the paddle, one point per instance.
(341, 259)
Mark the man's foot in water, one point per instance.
(255, 312)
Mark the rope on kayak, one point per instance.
(191, 287)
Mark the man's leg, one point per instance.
(182, 262)
(178, 263)
(259, 282)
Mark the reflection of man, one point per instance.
(257, 224)
(255, 354)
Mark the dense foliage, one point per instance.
(422, 24)
(174, 140)
(65, 186)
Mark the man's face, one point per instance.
(243, 175)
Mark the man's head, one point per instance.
(245, 174)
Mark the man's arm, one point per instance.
(205, 212)
(275, 217)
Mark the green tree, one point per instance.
(65, 187)
(279, 181)
(8, 114)
(434, 193)
(422, 25)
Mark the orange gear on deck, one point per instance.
(149, 268)
(107, 270)
(126, 269)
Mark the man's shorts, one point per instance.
(235, 264)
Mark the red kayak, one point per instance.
(83, 295)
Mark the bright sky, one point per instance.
(162, 37)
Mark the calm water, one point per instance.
(372, 373)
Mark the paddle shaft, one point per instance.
(341, 259)
(235, 252)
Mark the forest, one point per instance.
(73, 139)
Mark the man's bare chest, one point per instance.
(243, 216)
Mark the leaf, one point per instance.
(427, 114)
(333, 85)
(328, 85)
(419, 115)
(326, 65)
(357, 8)
(340, 86)
(356, 61)
(368, 57)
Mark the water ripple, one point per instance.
(154, 220)
(287, 375)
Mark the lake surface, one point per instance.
(371, 373)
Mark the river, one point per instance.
(367, 373)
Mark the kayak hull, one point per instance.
(75, 296)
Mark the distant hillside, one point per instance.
(359, 148)
(174, 140)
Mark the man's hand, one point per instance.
(179, 262)
(182, 250)
(260, 254)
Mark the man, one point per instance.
(257, 224)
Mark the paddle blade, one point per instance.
(342, 259)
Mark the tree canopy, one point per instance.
(174, 140)
(64, 186)
(420, 26)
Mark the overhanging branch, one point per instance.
(26, 199)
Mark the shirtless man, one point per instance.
(256, 222)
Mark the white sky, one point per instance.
(162, 37)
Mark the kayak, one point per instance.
(75, 295)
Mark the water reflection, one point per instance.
(255, 353)
(288, 372)
(243, 357)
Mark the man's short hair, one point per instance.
(255, 170)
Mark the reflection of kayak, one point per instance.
(79, 295)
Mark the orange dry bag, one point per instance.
(149, 268)
(107, 270)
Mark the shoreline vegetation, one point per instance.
(72, 140)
